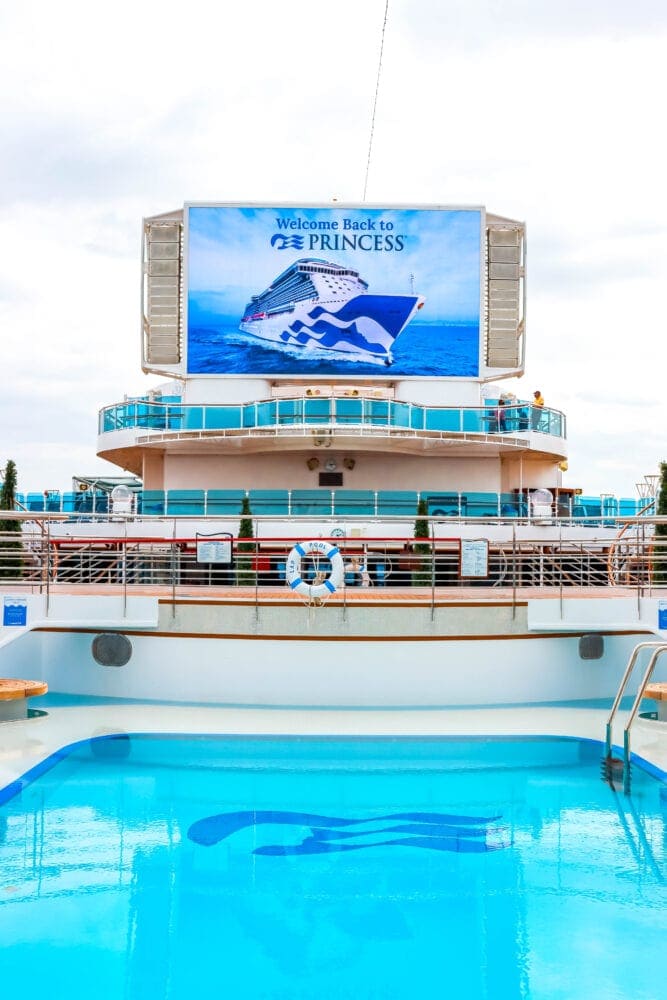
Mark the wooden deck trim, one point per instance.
(283, 637)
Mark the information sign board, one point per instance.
(15, 611)
(474, 558)
(214, 550)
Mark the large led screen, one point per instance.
(337, 292)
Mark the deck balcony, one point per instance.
(300, 422)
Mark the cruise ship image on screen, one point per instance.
(322, 309)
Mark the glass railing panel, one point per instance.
(151, 502)
(552, 423)
(175, 418)
(311, 502)
(108, 419)
(266, 414)
(517, 418)
(269, 502)
(193, 418)
(376, 412)
(442, 420)
(443, 504)
(92, 503)
(417, 418)
(317, 411)
(35, 501)
(249, 415)
(89, 503)
(481, 504)
(68, 502)
(354, 502)
(402, 503)
(53, 503)
(222, 418)
(224, 502)
(631, 508)
(185, 502)
(592, 506)
(290, 411)
(348, 411)
(399, 414)
(513, 505)
(609, 510)
(487, 421)
(563, 506)
(148, 415)
(125, 417)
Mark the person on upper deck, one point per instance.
(538, 406)
(501, 416)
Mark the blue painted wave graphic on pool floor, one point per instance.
(331, 834)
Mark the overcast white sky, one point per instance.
(543, 111)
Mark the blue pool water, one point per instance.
(167, 867)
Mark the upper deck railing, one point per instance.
(354, 415)
(40, 555)
(453, 506)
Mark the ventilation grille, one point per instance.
(162, 293)
(505, 296)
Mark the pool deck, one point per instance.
(350, 595)
(24, 743)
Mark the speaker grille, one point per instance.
(111, 649)
(591, 647)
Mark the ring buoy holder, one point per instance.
(314, 591)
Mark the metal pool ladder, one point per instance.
(609, 763)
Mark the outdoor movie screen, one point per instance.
(335, 292)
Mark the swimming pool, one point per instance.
(174, 867)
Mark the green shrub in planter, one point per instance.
(11, 546)
(423, 567)
(246, 576)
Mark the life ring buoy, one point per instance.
(316, 590)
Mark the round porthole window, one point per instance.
(111, 649)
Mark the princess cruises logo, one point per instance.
(282, 242)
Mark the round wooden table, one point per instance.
(14, 696)
(658, 692)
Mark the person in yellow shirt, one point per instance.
(538, 406)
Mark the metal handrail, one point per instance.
(654, 644)
(660, 648)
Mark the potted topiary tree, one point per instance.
(245, 574)
(11, 546)
(422, 567)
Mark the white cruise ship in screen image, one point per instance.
(319, 308)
